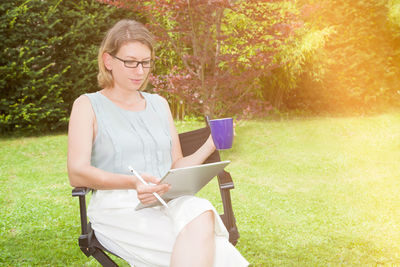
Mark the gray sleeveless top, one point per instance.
(140, 139)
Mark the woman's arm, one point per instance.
(198, 157)
(81, 133)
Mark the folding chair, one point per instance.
(190, 142)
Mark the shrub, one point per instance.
(48, 58)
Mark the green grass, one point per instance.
(309, 192)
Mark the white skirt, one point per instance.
(146, 237)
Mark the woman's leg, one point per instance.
(195, 244)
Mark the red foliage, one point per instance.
(211, 81)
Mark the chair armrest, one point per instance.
(80, 191)
(225, 180)
(228, 217)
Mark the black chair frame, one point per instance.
(190, 142)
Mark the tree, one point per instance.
(223, 49)
(359, 59)
(394, 14)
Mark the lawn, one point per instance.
(319, 191)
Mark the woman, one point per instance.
(121, 126)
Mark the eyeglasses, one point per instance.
(134, 64)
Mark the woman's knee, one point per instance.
(208, 216)
(205, 222)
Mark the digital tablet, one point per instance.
(188, 180)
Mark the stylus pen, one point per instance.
(144, 182)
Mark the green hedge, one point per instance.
(48, 58)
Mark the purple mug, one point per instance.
(222, 132)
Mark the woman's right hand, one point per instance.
(145, 192)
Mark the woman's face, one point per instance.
(129, 78)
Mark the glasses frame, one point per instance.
(137, 62)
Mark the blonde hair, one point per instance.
(121, 33)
